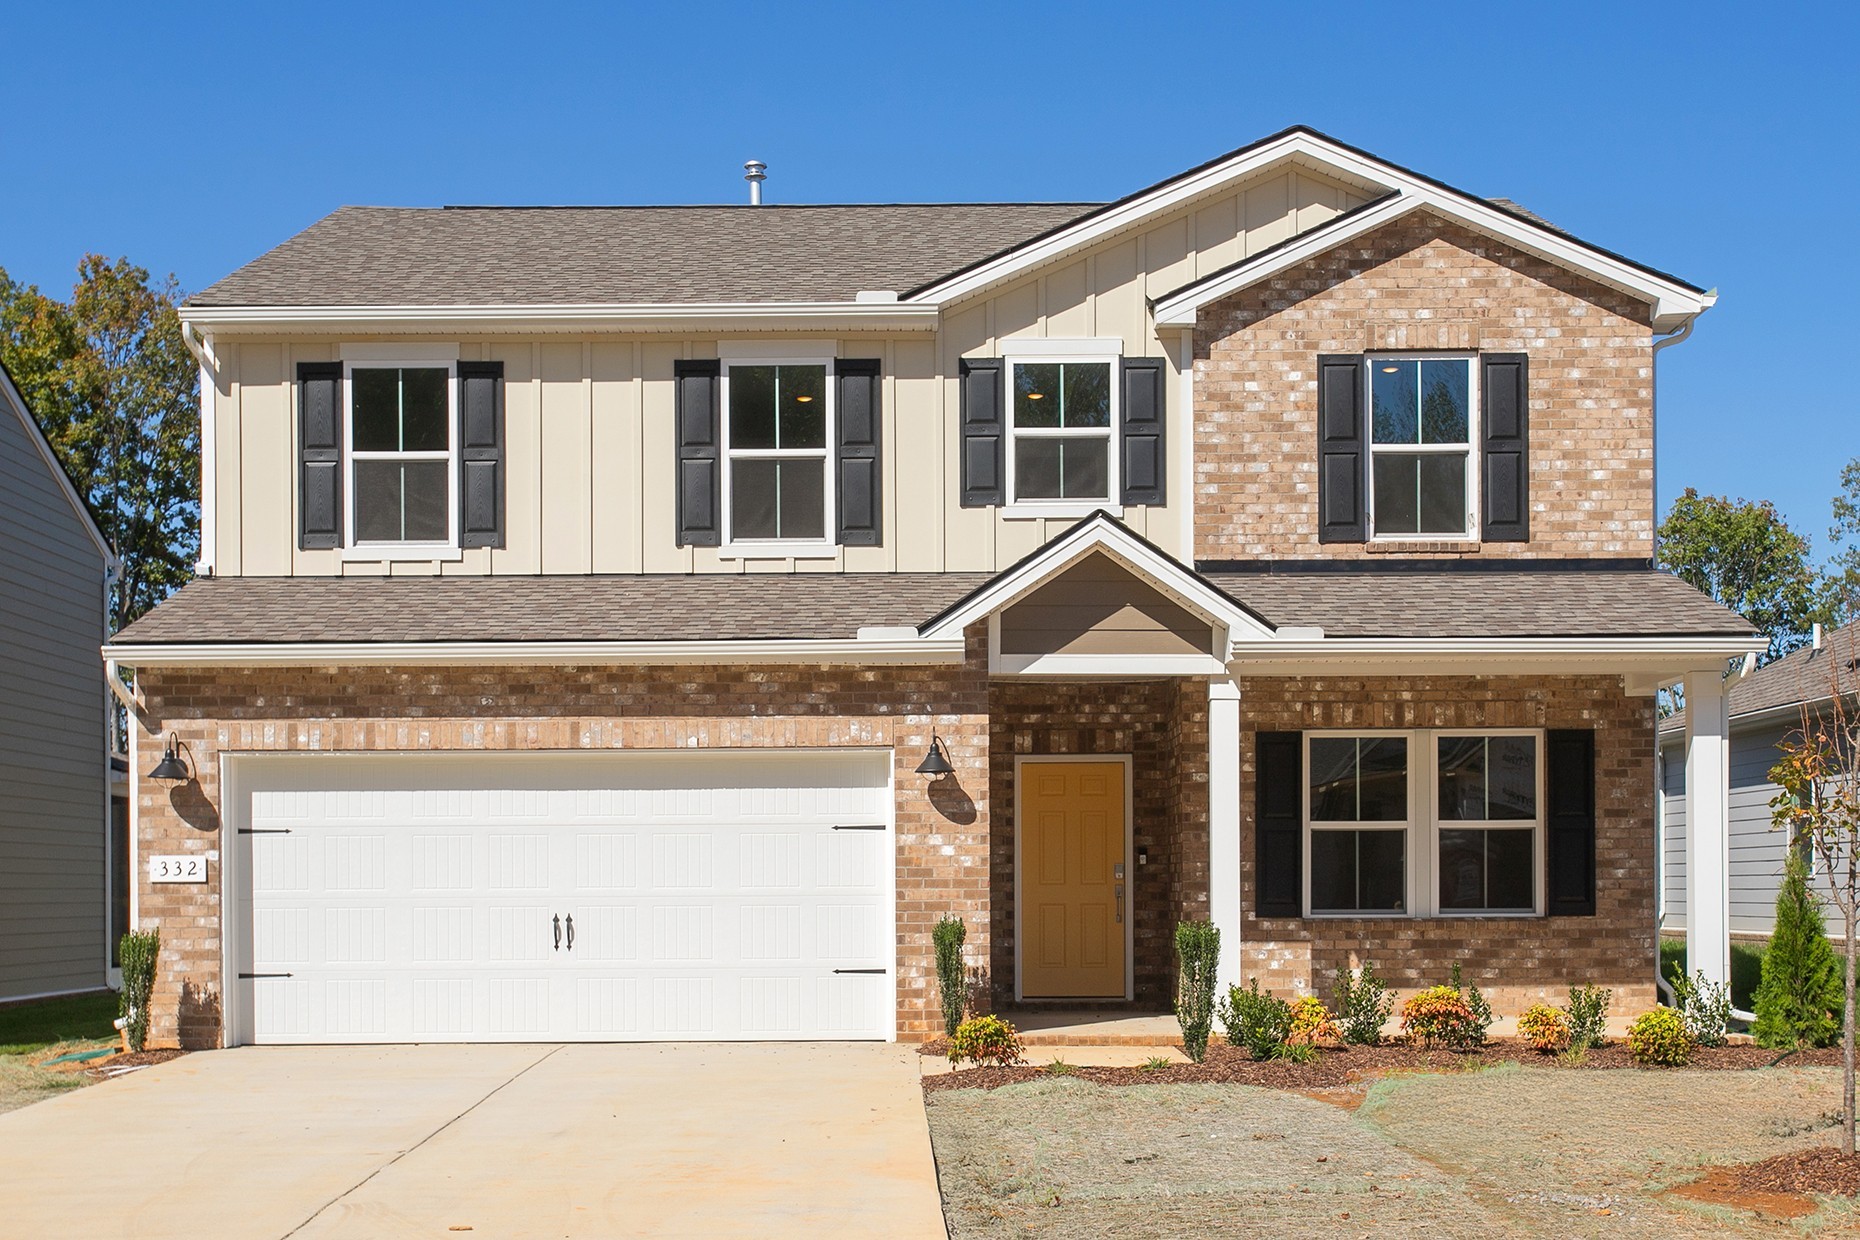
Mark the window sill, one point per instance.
(1421, 546)
(778, 551)
(1443, 915)
(425, 553)
(1063, 510)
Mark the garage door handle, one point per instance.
(571, 932)
(859, 826)
(858, 970)
(558, 932)
(244, 976)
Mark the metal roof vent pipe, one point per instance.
(1818, 637)
(755, 172)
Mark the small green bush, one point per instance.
(137, 953)
(1296, 1052)
(1153, 1063)
(1198, 948)
(1706, 1005)
(1587, 1011)
(1441, 1016)
(1257, 1020)
(1364, 1005)
(1311, 1023)
(952, 980)
(985, 1040)
(1798, 1000)
(1060, 1067)
(1660, 1037)
(1544, 1029)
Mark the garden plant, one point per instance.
(1364, 1004)
(1660, 1037)
(985, 1040)
(951, 979)
(1544, 1029)
(1198, 949)
(138, 953)
(1587, 1012)
(1799, 996)
(1257, 1020)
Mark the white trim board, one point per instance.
(856, 652)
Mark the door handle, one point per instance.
(558, 932)
(571, 932)
(1120, 904)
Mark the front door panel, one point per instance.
(1074, 889)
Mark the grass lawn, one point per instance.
(29, 1028)
(1746, 967)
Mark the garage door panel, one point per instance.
(430, 912)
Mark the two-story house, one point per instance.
(647, 622)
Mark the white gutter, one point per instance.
(1694, 651)
(857, 316)
(431, 654)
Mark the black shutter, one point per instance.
(857, 456)
(984, 434)
(319, 455)
(699, 470)
(1504, 388)
(1342, 515)
(1144, 379)
(1278, 825)
(481, 454)
(1570, 780)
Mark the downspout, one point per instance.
(202, 349)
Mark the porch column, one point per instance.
(1708, 820)
(1224, 821)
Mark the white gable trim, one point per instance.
(18, 404)
(1102, 534)
(1672, 300)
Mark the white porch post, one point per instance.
(1708, 820)
(1224, 821)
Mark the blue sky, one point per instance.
(1723, 149)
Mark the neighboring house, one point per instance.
(1766, 707)
(591, 596)
(54, 736)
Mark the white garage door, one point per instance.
(541, 898)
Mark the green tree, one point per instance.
(1800, 993)
(1843, 575)
(118, 395)
(1745, 556)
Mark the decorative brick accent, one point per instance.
(1424, 283)
(1517, 961)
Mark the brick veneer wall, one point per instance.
(943, 842)
(1517, 961)
(1424, 283)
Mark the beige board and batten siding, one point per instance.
(54, 793)
(589, 419)
(1100, 607)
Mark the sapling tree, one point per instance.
(1818, 802)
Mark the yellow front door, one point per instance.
(1074, 884)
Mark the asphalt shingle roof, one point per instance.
(1805, 675)
(525, 256)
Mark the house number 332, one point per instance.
(177, 869)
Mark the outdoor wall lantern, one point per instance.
(936, 762)
(171, 767)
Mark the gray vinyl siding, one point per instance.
(54, 789)
(1757, 850)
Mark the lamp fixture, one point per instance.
(936, 762)
(802, 400)
(171, 767)
(1036, 396)
(1390, 370)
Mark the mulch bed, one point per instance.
(102, 1068)
(1823, 1170)
(1226, 1065)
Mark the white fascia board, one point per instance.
(1492, 656)
(855, 652)
(754, 316)
(1106, 666)
(1104, 536)
(12, 395)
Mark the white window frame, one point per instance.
(353, 547)
(1421, 897)
(1113, 481)
(823, 547)
(1474, 480)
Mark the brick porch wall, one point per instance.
(943, 846)
(1516, 961)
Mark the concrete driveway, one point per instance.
(486, 1141)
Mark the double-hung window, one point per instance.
(1423, 472)
(1063, 413)
(778, 426)
(402, 431)
(1424, 823)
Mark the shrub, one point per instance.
(1311, 1023)
(137, 953)
(1706, 1005)
(1660, 1037)
(1296, 1052)
(1198, 947)
(1441, 1016)
(1798, 1000)
(1257, 1020)
(952, 980)
(1587, 1011)
(1364, 1004)
(1475, 1002)
(1544, 1028)
(985, 1040)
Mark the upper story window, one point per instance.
(1422, 468)
(1063, 417)
(777, 435)
(402, 462)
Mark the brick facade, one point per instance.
(1424, 283)
(1517, 961)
